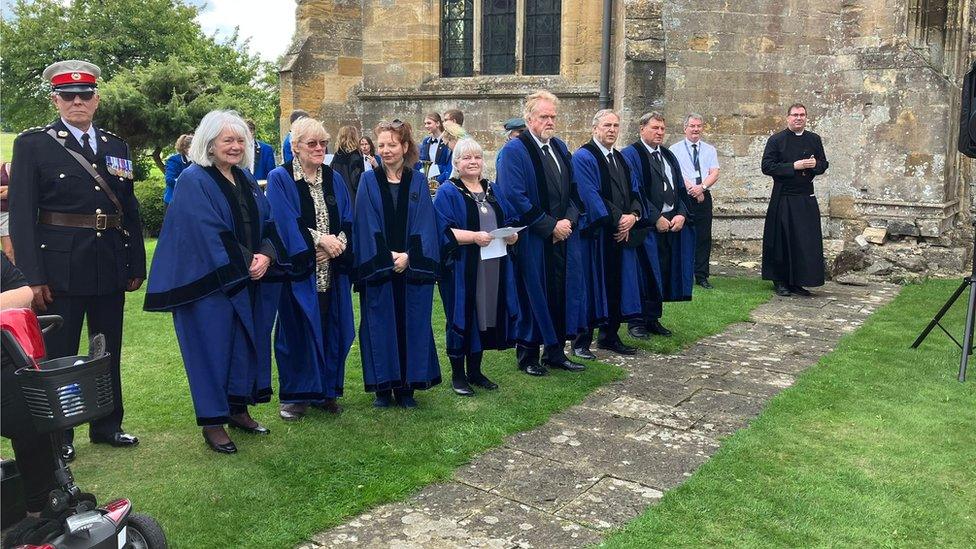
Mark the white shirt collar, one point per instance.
(800, 133)
(649, 148)
(689, 143)
(78, 133)
(538, 141)
(603, 149)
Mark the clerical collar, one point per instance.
(603, 149)
(795, 133)
(538, 141)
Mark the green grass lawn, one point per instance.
(6, 146)
(875, 446)
(313, 474)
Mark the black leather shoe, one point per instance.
(800, 290)
(781, 290)
(461, 387)
(257, 429)
(565, 365)
(68, 452)
(383, 400)
(117, 439)
(656, 328)
(228, 448)
(329, 406)
(292, 412)
(483, 382)
(535, 370)
(704, 283)
(584, 352)
(638, 332)
(617, 347)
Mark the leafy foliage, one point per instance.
(149, 193)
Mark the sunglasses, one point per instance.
(312, 144)
(70, 96)
(396, 124)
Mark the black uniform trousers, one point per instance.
(702, 214)
(612, 258)
(653, 309)
(556, 297)
(104, 315)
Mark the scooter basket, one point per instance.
(67, 392)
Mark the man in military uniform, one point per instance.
(75, 225)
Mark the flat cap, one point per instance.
(513, 124)
(72, 75)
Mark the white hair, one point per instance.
(215, 122)
(602, 113)
(465, 146)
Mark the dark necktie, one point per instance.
(549, 159)
(695, 164)
(613, 165)
(86, 147)
(656, 155)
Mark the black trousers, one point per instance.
(36, 462)
(612, 259)
(104, 315)
(702, 212)
(652, 308)
(529, 354)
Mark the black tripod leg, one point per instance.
(967, 342)
(945, 308)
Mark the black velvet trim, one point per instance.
(592, 229)
(417, 385)
(309, 397)
(262, 395)
(535, 155)
(211, 421)
(421, 268)
(219, 278)
(395, 218)
(529, 217)
(451, 247)
(382, 261)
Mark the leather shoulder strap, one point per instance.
(91, 171)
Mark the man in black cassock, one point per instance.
(792, 240)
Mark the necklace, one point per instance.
(482, 202)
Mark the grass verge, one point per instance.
(313, 474)
(874, 446)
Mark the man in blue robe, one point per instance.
(315, 328)
(611, 233)
(264, 157)
(395, 335)
(535, 177)
(665, 205)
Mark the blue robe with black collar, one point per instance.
(676, 285)
(311, 363)
(222, 318)
(522, 185)
(264, 160)
(442, 158)
(458, 284)
(592, 179)
(395, 335)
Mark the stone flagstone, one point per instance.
(600, 464)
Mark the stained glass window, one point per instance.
(498, 37)
(542, 18)
(457, 33)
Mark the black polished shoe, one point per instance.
(704, 283)
(461, 387)
(68, 452)
(383, 400)
(256, 429)
(483, 382)
(565, 365)
(535, 369)
(617, 347)
(638, 332)
(226, 448)
(656, 328)
(781, 290)
(117, 439)
(800, 290)
(584, 352)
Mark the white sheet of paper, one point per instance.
(498, 248)
(433, 172)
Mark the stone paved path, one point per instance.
(598, 465)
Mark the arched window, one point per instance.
(500, 37)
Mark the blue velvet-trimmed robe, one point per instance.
(592, 180)
(442, 158)
(522, 185)
(676, 285)
(395, 335)
(264, 159)
(311, 362)
(223, 319)
(458, 285)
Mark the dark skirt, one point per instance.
(793, 241)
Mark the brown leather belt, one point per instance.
(99, 222)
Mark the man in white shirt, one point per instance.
(699, 167)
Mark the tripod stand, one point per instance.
(967, 340)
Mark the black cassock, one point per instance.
(792, 240)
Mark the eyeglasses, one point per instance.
(70, 96)
(798, 115)
(311, 144)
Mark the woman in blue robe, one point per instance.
(434, 149)
(175, 164)
(315, 327)
(479, 295)
(217, 243)
(396, 249)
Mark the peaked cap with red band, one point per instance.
(72, 75)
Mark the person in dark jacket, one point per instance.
(348, 161)
(175, 164)
(75, 225)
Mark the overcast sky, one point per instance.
(268, 23)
